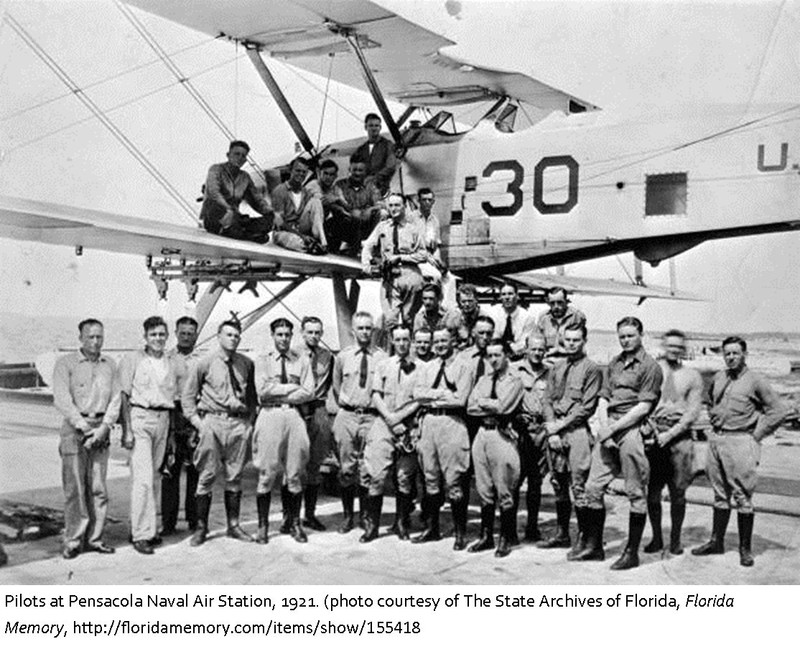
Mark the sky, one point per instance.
(621, 56)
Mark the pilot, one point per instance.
(284, 383)
(363, 204)
(423, 340)
(744, 410)
(86, 393)
(572, 394)
(512, 322)
(226, 186)
(151, 381)
(220, 401)
(393, 437)
(443, 386)
(299, 216)
(318, 421)
(335, 210)
(433, 314)
(553, 321)
(468, 311)
(378, 153)
(353, 382)
(182, 433)
(399, 246)
(435, 269)
(495, 454)
(629, 393)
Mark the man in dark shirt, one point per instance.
(377, 153)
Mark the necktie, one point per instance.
(284, 377)
(440, 375)
(314, 365)
(364, 369)
(670, 392)
(235, 385)
(481, 365)
(508, 333)
(493, 394)
(395, 239)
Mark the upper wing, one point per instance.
(598, 286)
(408, 61)
(22, 219)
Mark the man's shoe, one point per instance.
(486, 541)
(70, 552)
(746, 539)
(168, 531)
(716, 544)
(654, 546)
(348, 520)
(143, 547)
(203, 502)
(156, 540)
(233, 500)
(100, 548)
(630, 555)
(296, 530)
(556, 540)
(594, 522)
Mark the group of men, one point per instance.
(494, 396)
(313, 215)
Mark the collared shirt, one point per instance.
(85, 387)
(380, 161)
(359, 196)
(552, 329)
(466, 324)
(522, 324)
(321, 361)
(299, 386)
(630, 380)
(410, 239)
(395, 384)
(332, 199)
(472, 357)
(573, 390)
(681, 395)
(347, 376)
(226, 187)
(209, 387)
(285, 205)
(453, 389)
(508, 392)
(534, 386)
(442, 317)
(152, 382)
(743, 401)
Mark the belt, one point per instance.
(225, 414)
(278, 405)
(93, 415)
(361, 410)
(159, 409)
(741, 431)
(443, 411)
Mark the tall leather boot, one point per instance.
(508, 521)
(286, 525)
(372, 519)
(431, 504)
(630, 555)
(203, 505)
(513, 537)
(580, 540)
(311, 521)
(745, 539)
(595, 520)
(533, 500)
(233, 500)
(262, 505)
(458, 509)
(296, 528)
(363, 494)
(657, 544)
(561, 537)
(403, 515)
(348, 521)
(486, 541)
(716, 544)
(677, 512)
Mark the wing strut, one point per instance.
(280, 98)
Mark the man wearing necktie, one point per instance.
(442, 387)
(353, 379)
(220, 400)
(671, 454)
(630, 391)
(475, 357)
(512, 322)
(744, 410)
(495, 455)
(392, 438)
(284, 382)
(555, 319)
(573, 389)
(398, 245)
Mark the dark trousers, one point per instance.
(171, 486)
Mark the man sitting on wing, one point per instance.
(298, 213)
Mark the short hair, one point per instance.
(329, 163)
(186, 320)
(371, 116)
(674, 332)
(309, 319)
(281, 322)
(395, 194)
(630, 321)
(735, 339)
(432, 287)
(555, 290)
(355, 158)
(86, 323)
(401, 326)
(299, 160)
(511, 285)
(423, 191)
(238, 143)
(536, 336)
(467, 288)
(577, 326)
(152, 322)
(497, 340)
(443, 328)
(362, 314)
(236, 324)
(424, 329)
(485, 319)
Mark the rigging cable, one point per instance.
(97, 112)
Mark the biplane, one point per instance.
(578, 183)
